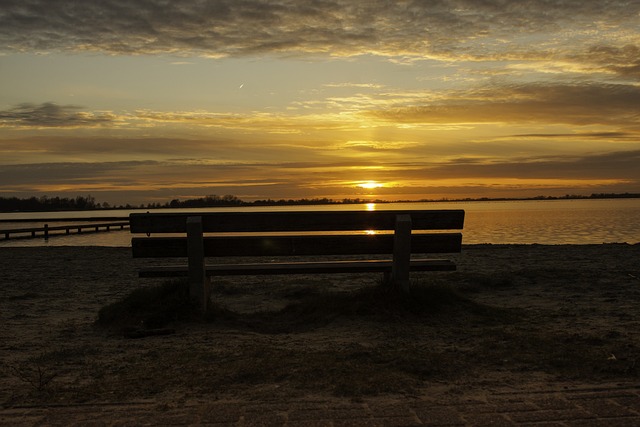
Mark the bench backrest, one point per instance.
(221, 222)
(296, 226)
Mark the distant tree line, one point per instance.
(46, 204)
(615, 196)
(592, 196)
(565, 197)
(230, 200)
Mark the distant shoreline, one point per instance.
(232, 201)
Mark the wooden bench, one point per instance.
(395, 233)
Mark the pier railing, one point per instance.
(47, 231)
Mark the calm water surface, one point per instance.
(531, 221)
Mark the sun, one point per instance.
(370, 185)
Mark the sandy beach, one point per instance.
(529, 316)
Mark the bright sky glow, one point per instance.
(370, 185)
(137, 102)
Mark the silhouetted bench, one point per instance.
(397, 234)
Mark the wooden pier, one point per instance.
(61, 230)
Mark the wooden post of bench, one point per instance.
(198, 280)
(401, 253)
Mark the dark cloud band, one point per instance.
(51, 115)
(240, 27)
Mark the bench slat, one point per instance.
(220, 246)
(368, 266)
(297, 221)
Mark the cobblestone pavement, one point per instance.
(595, 406)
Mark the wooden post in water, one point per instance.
(46, 232)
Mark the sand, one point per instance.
(538, 315)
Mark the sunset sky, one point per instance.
(152, 100)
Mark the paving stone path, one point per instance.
(584, 407)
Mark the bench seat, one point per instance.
(315, 267)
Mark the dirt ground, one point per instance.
(514, 316)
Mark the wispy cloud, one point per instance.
(317, 179)
(609, 166)
(620, 60)
(600, 136)
(355, 85)
(576, 104)
(588, 103)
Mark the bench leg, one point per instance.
(401, 253)
(199, 283)
(386, 277)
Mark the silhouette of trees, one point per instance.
(45, 203)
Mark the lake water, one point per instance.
(581, 221)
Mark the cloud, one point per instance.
(336, 27)
(599, 136)
(624, 61)
(620, 166)
(355, 85)
(68, 174)
(575, 104)
(50, 115)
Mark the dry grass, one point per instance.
(434, 334)
(511, 315)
